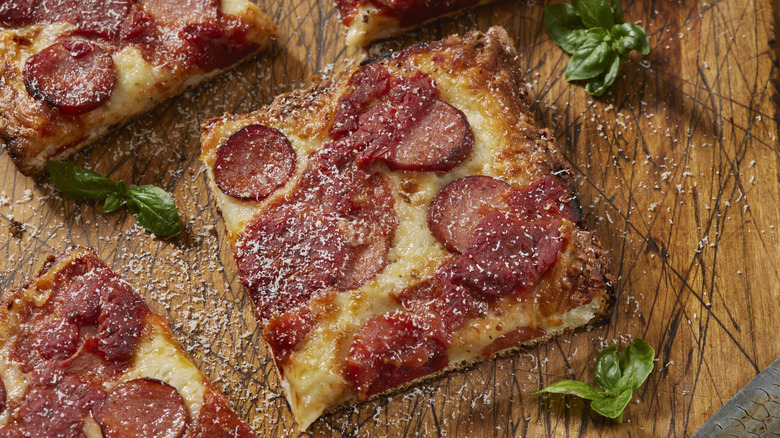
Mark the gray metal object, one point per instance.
(753, 412)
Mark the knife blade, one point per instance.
(754, 411)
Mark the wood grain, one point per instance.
(679, 174)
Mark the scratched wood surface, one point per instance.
(679, 174)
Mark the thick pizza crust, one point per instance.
(480, 75)
(34, 132)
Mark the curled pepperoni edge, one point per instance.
(88, 60)
(451, 151)
(452, 221)
(230, 181)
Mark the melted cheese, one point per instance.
(158, 358)
(313, 380)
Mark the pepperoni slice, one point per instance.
(285, 331)
(546, 197)
(212, 47)
(505, 256)
(174, 12)
(334, 232)
(120, 322)
(392, 349)
(15, 13)
(440, 140)
(443, 306)
(216, 420)
(58, 411)
(74, 76)
(458, 208)
(58, 339)
(143, 407)
(254, 162)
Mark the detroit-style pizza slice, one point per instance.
(401, 220)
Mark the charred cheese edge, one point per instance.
(139, 86)
(314, 381)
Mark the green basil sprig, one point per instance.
(152, 206)
(618, 375)
(594, 34)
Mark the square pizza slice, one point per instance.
(82, 355)
(401, 220)
(70, 70)
(371, 20)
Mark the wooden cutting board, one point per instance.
(679, 174)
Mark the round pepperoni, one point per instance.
(120, 322)
(440, 140)
(143, 408)
(254, 162)
(74, 76)
(458, 208)
(58, 339)
(392, 349)
(505, 256)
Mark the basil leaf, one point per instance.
(155, 210)
(612, 407)
(114, 202)
(617, 11)
(599, 85)
(607, 370)
(629, 36)
(79, 184)
(636, 363)
(595, 13)
(591, 58)
(565, 26)
(572, 387)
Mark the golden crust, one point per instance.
(33, 132)
(480, 74)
